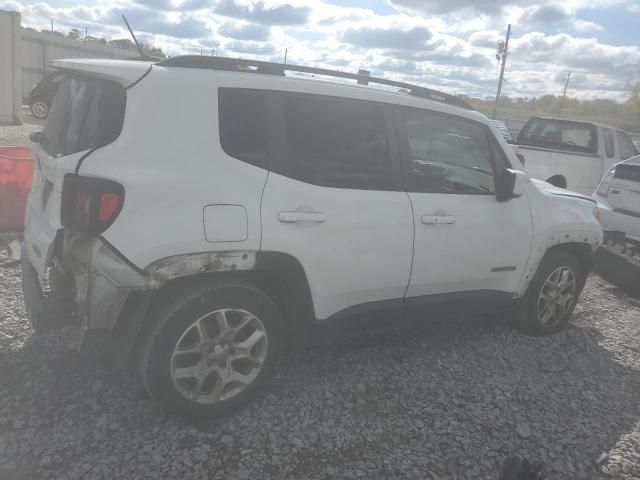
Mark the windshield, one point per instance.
(560, 134)
(86, 113)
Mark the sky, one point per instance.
(445, 44)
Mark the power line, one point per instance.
(511, 85)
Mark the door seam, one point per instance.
(413, 245)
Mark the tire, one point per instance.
(546, 308)
(39, 109)
(173, 343)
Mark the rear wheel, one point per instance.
(552, 295)
(209, 350)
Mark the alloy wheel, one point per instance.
(556, 296)
(219, 355)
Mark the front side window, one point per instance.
(627, 148)
(448, 154)
(86, 113)
(608, 143)
(337, 142)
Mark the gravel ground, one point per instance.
(449, 398)
(19, 134)
(443, 399)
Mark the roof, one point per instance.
(279, 69)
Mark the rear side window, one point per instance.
(559, 134)
(627, 148)
(243, 125)
(628, 172)
(86, 113)
(608, 143)
(337, 142)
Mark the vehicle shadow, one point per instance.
(422, 398)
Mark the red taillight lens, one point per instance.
(521, 158)
(90, 205)
(109, 204)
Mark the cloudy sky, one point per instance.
(447, 44)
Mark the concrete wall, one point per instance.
(10, 74)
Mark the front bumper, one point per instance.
(618, 261)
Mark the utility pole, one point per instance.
(285, 55)
(502, 49)
(564, 94)
(52, 25)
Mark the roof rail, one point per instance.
(271, 68)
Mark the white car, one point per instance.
(570, 154)
(618, 198)
(205, 243)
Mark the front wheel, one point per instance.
(552, 294)
(210, 349)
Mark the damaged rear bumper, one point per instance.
(105, 287)
(102, 282)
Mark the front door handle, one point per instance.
(301, 217)
(438, 219)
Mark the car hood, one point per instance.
(557, 191)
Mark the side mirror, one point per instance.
(36, 137)
(510, 184)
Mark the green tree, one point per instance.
(75, 34)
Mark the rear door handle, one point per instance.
(438, 219)
(301, 217)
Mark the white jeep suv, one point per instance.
(202, 209)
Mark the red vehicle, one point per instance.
(16, 170)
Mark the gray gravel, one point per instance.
(19, 134)
(448, 398)
(444, 399)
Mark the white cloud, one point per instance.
(454, 52)
(586, 26)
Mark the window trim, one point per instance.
(281, 161)
(405, 153)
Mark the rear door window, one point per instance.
(337, 142)
(243, 124)
(86, 113)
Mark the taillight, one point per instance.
(521, 158)
(603, 188)
(90, 205)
